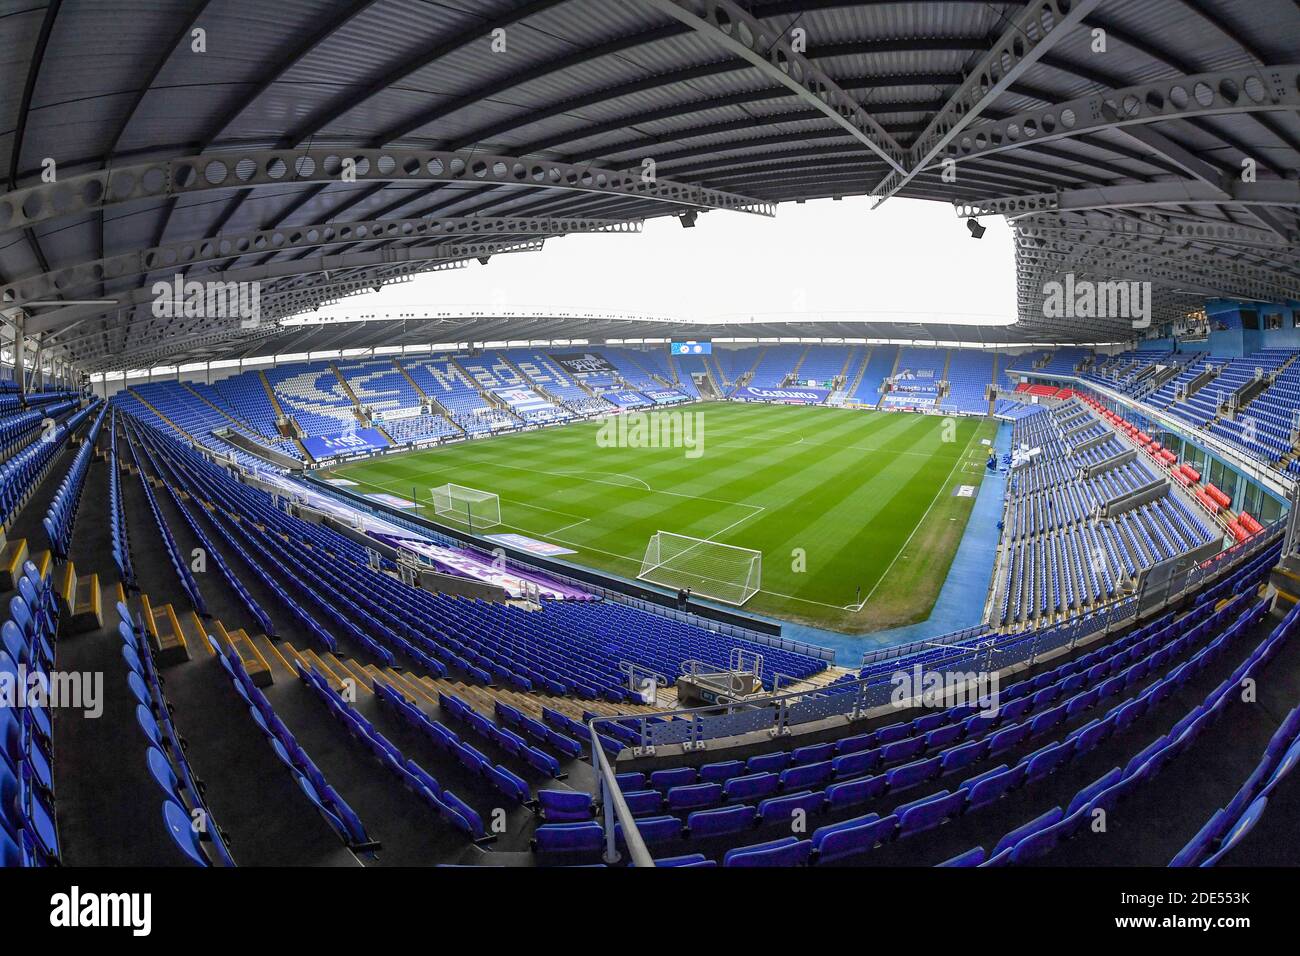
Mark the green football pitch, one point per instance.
(856, 513)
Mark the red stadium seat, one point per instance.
(1218, 495)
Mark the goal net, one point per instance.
(722, 572)
(476, 509)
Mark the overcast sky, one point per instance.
(824, 256)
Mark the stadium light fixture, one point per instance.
(688, 218)
(976, 230)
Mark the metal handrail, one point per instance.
(616, 809)
(633, 670)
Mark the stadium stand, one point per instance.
(313, 396)
(878, 367)
(970, 374)
(1067, 638)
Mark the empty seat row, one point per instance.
(185, 811)
(28, 828)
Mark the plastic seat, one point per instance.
(788, 851)
(653, 830)
(568, 838)
(807, 775)
(812, 753)
(694, 797)
(751, 786)
(856, 763)
(928, 812)
(644, 802)
(690, 860)
(852, 793)
(721, 772)
(768, 763)
(181, 828)
(972, 857)
(912, 774)
(853, 838)
(1238, 831)
(676, 777)
(565, 806)
(11, 854)
(1001, 854)
(783, 809)
(724, 820)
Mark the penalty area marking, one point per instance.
(554, 535)
(615, 474)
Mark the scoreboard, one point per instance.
(692, 348)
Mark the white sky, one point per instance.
(821, 257)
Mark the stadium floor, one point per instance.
(856, 513)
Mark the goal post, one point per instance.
(475, 508)
(721, 572)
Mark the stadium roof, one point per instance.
(456, 328)
(326, 147)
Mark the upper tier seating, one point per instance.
(314, 397)
(443, 381)
(1065, 361)
(544, 373)
(879, 365)
(380, 386)
(823, 363)
(777, 364)
(969, 375)
(244, 396)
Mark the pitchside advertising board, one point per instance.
(692, 348)
(347, 443)
(795, 395)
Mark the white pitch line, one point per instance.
(567, 527)
(600, 481)
(616, 474)
(553, 536)
(942, 488)
(754, 509)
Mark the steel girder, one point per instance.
(399, 261)
(1170, 264)
(1031, 34)
(1099, 262)
(287, 297)
(306, 291)
(733, 28)
(182, 256)
(270, 167)
(1257, 89)
(1178, 255)
(185, 345)
(1161, 227)
(1267, 192)
(1186, 251)
(1263, 264)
